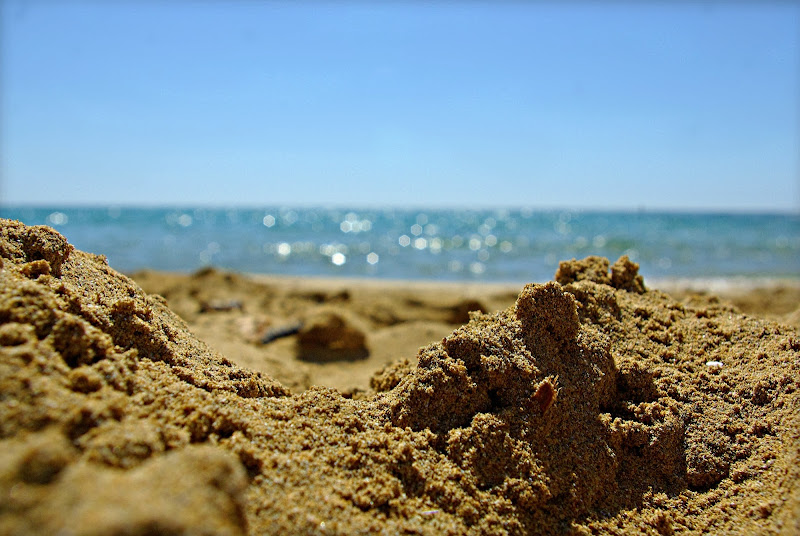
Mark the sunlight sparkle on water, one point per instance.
(57, 218)
(352, 224)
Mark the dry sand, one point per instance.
(589, 405)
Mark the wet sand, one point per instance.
(220, 403)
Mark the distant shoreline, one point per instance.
(666, 284)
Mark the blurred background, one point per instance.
(575, 127)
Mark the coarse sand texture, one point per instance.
(592, 405)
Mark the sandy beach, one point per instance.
(231, 312)
(225, 403)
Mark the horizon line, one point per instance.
(642, 208)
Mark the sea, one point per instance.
(486, 245)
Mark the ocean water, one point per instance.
(507, 245)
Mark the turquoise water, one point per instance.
(484, 245)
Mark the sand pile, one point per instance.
(591, 405)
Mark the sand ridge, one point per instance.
(587, 405)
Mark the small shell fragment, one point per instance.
(714, 366)
(545, 395)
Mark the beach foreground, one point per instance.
(592, 404)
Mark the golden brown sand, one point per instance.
(588, 405)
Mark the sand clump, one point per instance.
(331, 334)
(587, 406)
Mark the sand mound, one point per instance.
(591, 405)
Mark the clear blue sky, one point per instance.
(585, 104)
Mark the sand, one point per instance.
(219, 403)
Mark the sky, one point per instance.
(611, 105)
